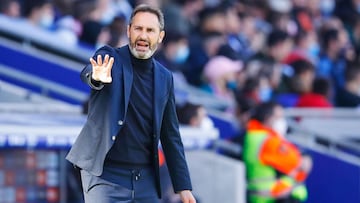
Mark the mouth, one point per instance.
(142, 45)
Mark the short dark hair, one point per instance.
(172, 36)
(4, 5)
(245, 104)
(321, 86)
(276, 36)
(264, 111)
(30, 5)
(351, 72)
(302, 65)
(329, 36)
(149, 9)
(186, 112)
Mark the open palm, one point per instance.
(101, 69)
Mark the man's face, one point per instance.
(144, 35)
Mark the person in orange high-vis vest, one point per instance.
(275, 168)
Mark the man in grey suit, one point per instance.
(131, 108)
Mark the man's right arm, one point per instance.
(87, 79)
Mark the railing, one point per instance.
(21, 31)
(46, 86)
(335, 132)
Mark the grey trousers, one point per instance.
(138, 187)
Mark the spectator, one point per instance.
(39, 13)
(110, 9)
(331, 64)
(117, 29)
(183, 14)
(306, 47)
(251, 90)
(205, 42)
(194, 115)
(67, 27)
(239, 29)
(201, 50)
(275, 168)
(319, 97)
(349, 95)
(347, 11)
(279, 45)
(300, 82)
(10, 8)
(94, 34)
(174, 54)
(220, 73)
(244, 108)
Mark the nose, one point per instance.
(143, 35)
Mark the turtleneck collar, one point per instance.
(141, 64)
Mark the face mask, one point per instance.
(282, 6)
(265, 94)
(181, 54)
(206, 123)
(231, 85)
(314, 50)
(327, 6)
(280, 126)
(46, 21)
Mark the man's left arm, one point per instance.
(174, 150)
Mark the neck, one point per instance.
(352, 87)
(140, 64)
(331, 54)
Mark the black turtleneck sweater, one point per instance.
(133, 145)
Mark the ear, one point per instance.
(128, 31)
(161, 37)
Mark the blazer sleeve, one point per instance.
(173, 146)
(87, 71)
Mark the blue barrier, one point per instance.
(333, 180)
(42, 68)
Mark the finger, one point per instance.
(110, 64)
(106, 59)
(93, 62)
(109, 67)
(99, 60)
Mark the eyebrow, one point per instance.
(147, 28)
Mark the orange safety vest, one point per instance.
(266, 152)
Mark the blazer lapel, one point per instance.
(159, 93)
(127, 74)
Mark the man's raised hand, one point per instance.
(101, 70)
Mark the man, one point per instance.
(349, 95)
(39, 13)
(131, 108)
(275, 168)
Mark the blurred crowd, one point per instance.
(298, 53)
(247, 53)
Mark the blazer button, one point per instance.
(113, 137)
(121, 122)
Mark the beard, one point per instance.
(142, 49)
